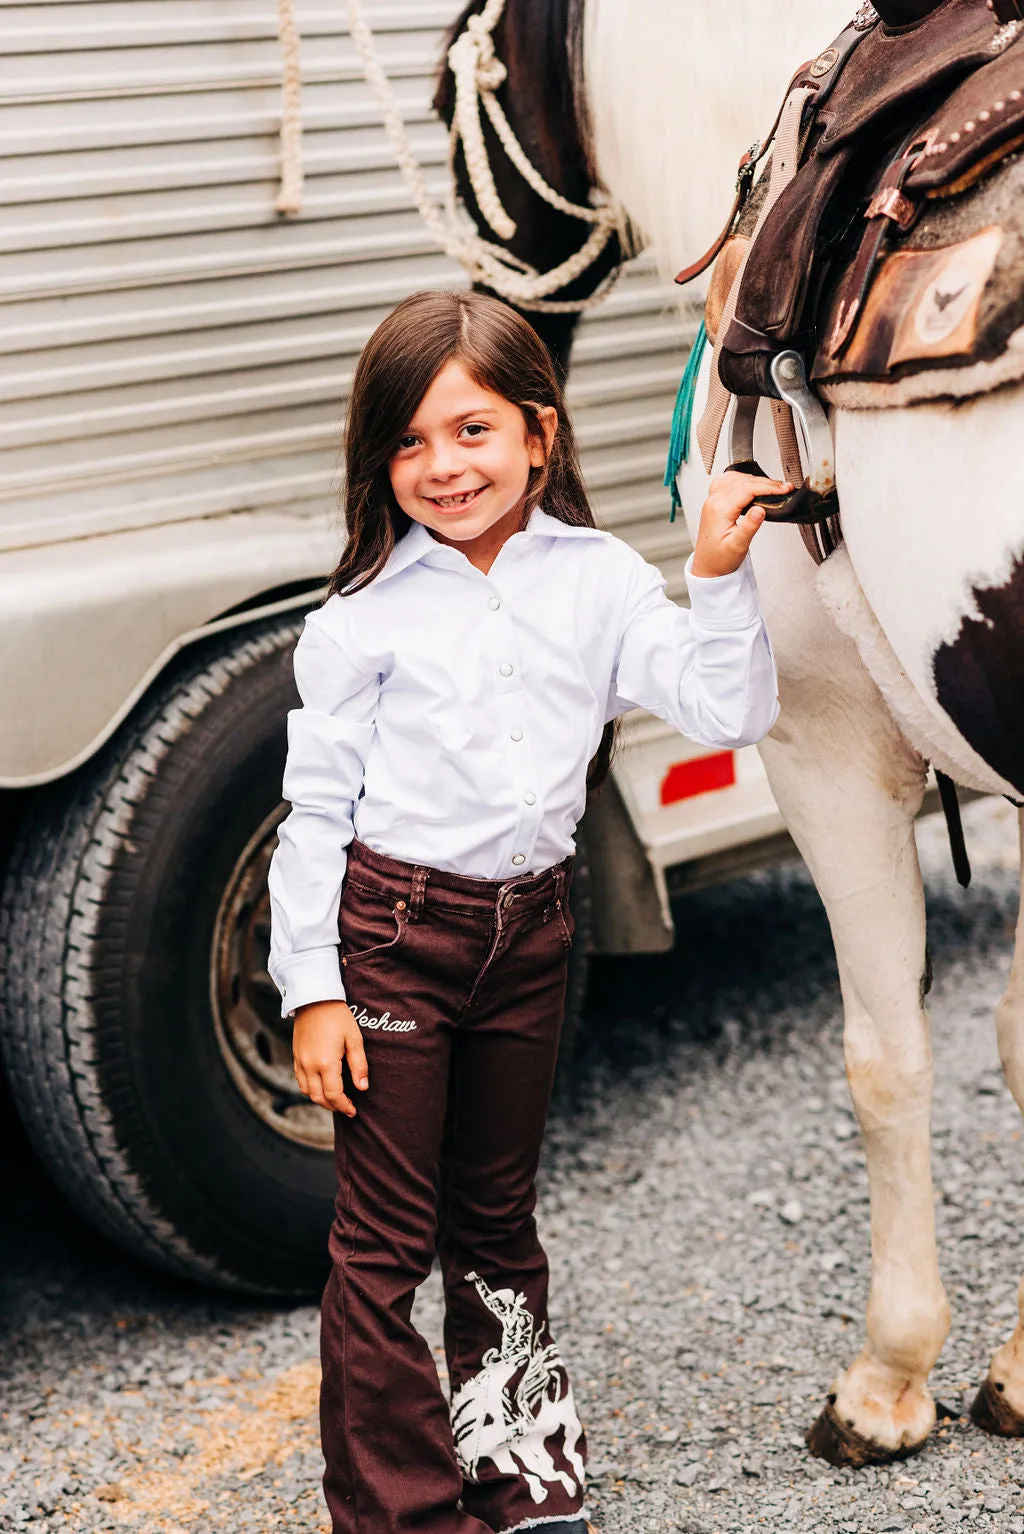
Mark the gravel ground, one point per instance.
(705, 1208)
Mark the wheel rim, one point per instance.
(255, 1041)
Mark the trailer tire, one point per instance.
(112, 1030)
(106, 1002)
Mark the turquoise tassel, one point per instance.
(679, 442)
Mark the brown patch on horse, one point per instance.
(992, 1412)
(833, 1440)
(979, 677)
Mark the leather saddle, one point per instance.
(914, 103)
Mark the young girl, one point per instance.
(481, 636)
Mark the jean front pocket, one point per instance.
(370, 922)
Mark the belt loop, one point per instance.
(419, 889)
(560, 882)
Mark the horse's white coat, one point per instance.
(678, 89)
(930, 508)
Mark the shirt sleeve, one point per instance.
(709, 671)
(328, 742)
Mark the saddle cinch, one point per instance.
(832, 273)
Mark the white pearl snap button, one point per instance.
(505, 668)
(494, 603)
(519, 859)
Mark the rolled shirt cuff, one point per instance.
(303, 978)
(724, 601)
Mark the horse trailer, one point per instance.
(177, 354)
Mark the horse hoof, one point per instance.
(993, 1413)
(831, 1439)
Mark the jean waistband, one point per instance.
(420, 881)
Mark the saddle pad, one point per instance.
(945, 313)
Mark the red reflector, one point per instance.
(685, 780)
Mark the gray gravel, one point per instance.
(705, 1208)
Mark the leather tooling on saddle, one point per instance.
(944, 313)
(888, 246)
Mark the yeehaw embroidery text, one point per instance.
(386, 1023)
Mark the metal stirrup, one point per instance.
(815, 500)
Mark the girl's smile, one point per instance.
(463, 463)
(457, 502)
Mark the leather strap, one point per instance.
(818, 537)
(785, 436)
(713, 252)
(820, 76)
(785, 159)
(955, 827)
(888, 206)
(744, 185)
(825, 72)
(814, 80)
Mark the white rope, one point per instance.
(289, 198)
(478, 74)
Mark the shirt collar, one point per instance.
(410, 548)
(540, 524)
(417, 544)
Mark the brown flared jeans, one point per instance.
(459, 987)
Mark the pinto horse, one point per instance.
(906, 646)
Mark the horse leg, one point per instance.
(849, 787)
(999, 1404)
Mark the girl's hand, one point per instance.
(326, 1033)
(728, 521)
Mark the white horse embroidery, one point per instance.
(512, 1431)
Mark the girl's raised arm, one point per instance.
(708, 671)
(328, 741)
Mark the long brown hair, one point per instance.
(503, 353)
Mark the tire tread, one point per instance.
(54, 899)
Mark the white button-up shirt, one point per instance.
(449, 717)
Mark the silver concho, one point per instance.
(824, 63)
(1008, 33)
